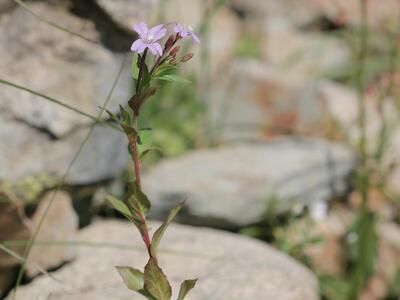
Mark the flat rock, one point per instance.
(103, 157)
(55, 63)
(234, 185)
(228, 267)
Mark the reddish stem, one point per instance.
(136, 160)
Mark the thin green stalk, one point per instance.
(28, 9)
(58, 102)
(20, 87)
(360, 78)
(47, 209)
(365, 226)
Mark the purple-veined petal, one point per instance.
(155, 48)
(195, 38)
(158, 32)
(137, 45)
(142, 29)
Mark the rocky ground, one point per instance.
(280, 122)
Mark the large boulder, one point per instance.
(104, 155)
(310, 55)
(235, 185)
(254, 101)
(55, 63)
(228, 267)
(126, 13)
(303, 12)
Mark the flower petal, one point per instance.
(137, 45)
(142, 29)
(155, 49)
(158, 32)
(142, 48)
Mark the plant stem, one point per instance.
(136, 160)
(362, 56)
(365, 226)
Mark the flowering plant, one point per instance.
(152, 283)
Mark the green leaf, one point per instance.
(126, 115)
(120, 206)
(160, 231)
(165, 70)
(147, 151)
(145, 140)
(186, 286)
(155, 281)
(135, 67)
(133, 279)
(139, 201)
(173, 78)
(146, 78)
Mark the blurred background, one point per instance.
(288, 133)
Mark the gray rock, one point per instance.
(303, 12)
(104, 155)
(228, 267)
(60, 223)
(254, 101)
(127, 12)
(6, 5)
(311, 55)
(46, 59)
(234, 186)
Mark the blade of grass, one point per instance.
(58, 102)
(6, 82)
(30, 10)
(47, 209)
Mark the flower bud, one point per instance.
(175, 50)
(169, 43)
(187, 57)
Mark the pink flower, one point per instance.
(148, 38)
(186, 31)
